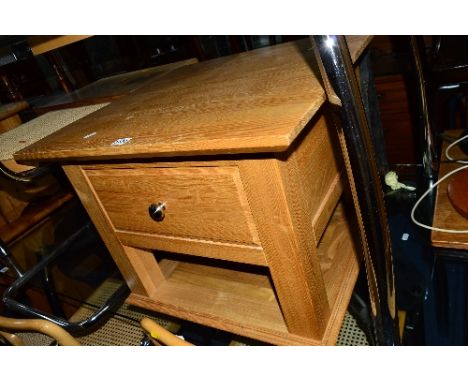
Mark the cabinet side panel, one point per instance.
(316, 161)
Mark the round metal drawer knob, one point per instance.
(157, 211)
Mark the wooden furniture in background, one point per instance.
(448, 298)
(457, 190)
(10, 206)
(395, 110)
(9, 117)
(21, 52)
(16, 196)
(217, 190)
(445, 214)
(44, 44)
(13, 94)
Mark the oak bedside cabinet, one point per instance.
(217, 189)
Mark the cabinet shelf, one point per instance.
(244, 302)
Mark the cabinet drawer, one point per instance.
(201, 203)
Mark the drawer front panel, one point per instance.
(206, 203)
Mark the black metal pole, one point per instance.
(349, 116)
(429, 152)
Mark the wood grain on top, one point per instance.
(256, 101)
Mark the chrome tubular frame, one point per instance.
(110, 305)
(350, 119)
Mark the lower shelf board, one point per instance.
(245, 303)
(248, 310)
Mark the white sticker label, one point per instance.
(121, 141)
(405, 236)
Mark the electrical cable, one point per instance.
(456, 142)
(465, 165)
(426, 193)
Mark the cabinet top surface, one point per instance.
(256, 101)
